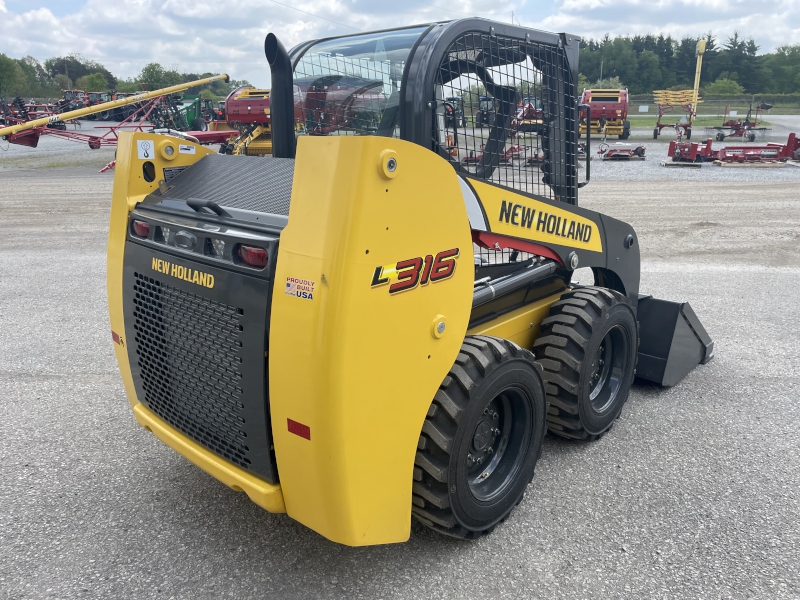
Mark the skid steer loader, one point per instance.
(364, 327)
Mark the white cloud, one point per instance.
(228, 35)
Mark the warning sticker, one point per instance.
(145, 148)
(300, 288)
(185, 149)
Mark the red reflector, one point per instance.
(141, 229)
(253, 256)
(115, 337)
(304, 431)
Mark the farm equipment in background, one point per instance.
(747, 129)
(18, 112)
(454, 112)
(487, 112)
(191, 107)
(73, 100)
(667, 100)
(620, 151)
(691, 152)
(609, 110)
(151, 109)
(526, 155)
(210, 112)
(247, 112)
(95, 98)
(364, 328)
(688, 100)
(528, 118)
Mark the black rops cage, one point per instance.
(498, 102)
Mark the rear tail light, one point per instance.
(141, 229)
(253, 256)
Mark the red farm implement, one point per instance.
(747, 129)
(620, 151)
(609, 108)
(526, 155)
(691, 152)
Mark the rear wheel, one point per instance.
(199, 124)
(588, 347)
(688, 133)
(655, 133)
(720, 137)
(480, 440)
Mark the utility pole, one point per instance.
(601, 69)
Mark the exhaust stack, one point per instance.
(281, 99)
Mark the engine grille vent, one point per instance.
(187, 350)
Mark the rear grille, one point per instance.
(188, 353)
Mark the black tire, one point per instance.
(751, 137)
(467, 476)
(199, 124)
(720, 137)
(655, 133)
(586, 328)
(688, 133)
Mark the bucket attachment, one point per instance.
(672, 341)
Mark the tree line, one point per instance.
(29, 78)
(644, 63)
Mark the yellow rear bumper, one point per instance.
(268, 496)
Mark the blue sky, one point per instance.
(227, 35)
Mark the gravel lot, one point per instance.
(694, 492)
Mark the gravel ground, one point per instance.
(693, 494)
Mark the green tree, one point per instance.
(155, 77)
(63, 82)
(92, 83)
(12, 78)
(723, 87)
(648, 74)
(75, 66)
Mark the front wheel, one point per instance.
(480, 440)
(588, 348)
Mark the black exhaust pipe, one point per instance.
(281, 99)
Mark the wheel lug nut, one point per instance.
(495, 416)
(480, 460)
(489, 451)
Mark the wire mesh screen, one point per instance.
(506, 113)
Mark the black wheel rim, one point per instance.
(499, 444)
(608, 369)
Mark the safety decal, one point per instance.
(407, 274)
(300, 288)
(145, 148)
(187, 149)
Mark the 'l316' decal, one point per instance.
(407, 274)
